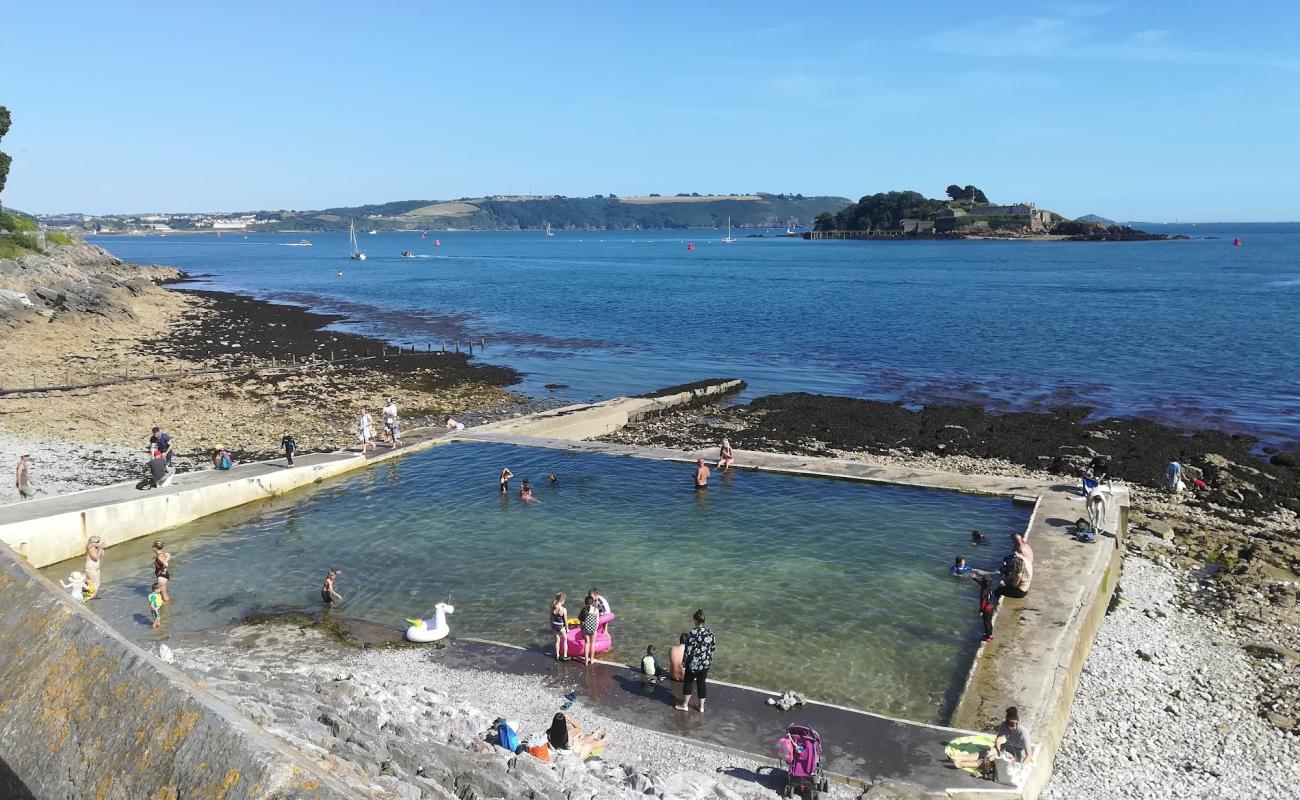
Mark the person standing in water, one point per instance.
(94, 560)
(328, 594)
(526, 492)
(506, 475)
(725, 456)
(700, 645)
(23, 480)
(589, 617)
(162, 570)
(156, 602)
(701, 474)
(560, 627)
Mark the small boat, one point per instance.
(729, 239)
(357, 254)
(372, 233)
(303, 243)
(407, 254)
(549, 232)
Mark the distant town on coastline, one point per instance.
(897, 214)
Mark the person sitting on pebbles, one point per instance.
(564, 736)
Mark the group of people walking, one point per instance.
(392, 427)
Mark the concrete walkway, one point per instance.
(862, 746)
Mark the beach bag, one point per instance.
(507, 736)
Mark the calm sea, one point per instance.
(1198, 332)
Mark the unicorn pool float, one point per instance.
(422, 631)
(603, 640)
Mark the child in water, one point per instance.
(526, 492)
(976, 538)
(959, 567)
(156, 604)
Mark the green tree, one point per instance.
(5, 160)
(975, 194)
(955, 192)
(824, 221)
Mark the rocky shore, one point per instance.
(214, 369)
(1194, 680)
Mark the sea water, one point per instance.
(838, 589)
(1198, 333)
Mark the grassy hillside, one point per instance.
(567, 213)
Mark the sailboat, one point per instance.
(357, 254)
(729, 239)
(549, 232)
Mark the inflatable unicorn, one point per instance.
(603, 640)
(420, 631)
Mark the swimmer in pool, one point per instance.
(701, 474)
(959, 567)
(526, 492)
(506, 475)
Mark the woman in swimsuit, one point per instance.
(162, 569)
(560, 625)
(725, 455)
(526, 492)
(506, 475)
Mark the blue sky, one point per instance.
(1185, 110)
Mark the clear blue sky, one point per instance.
(1157, 110)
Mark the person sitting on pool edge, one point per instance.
(959, 567)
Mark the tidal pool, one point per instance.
(838, 589)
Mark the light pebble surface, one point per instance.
(59, 467)
(1179, 726)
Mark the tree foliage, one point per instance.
(967, 192)
(5, 160)
(886, 211)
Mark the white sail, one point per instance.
(729, 239)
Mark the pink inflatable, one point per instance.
(603, 640)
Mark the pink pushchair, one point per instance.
(801, 752)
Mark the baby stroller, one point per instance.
(801, 752)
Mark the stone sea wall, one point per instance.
(85, 713)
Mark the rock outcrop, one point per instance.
(75, 278)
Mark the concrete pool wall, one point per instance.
(1033, 663)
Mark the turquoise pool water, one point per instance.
(834, 588)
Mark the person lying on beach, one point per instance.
(959, 567)
(526, 492)
(328, 594)
(564, 735)
(701, 474)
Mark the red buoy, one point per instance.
(690, 245)
(1236, 242)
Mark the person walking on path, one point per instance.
(290, 446)
(560, 626)
(94, 560)
(698, 657)
(390, 422)
(162, 570)
(701, 474)
(589, 618)
(366, 432)
(23, 479)
(328, 594)
(506, 475)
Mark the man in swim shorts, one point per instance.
(701, 474)
(327, 592)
